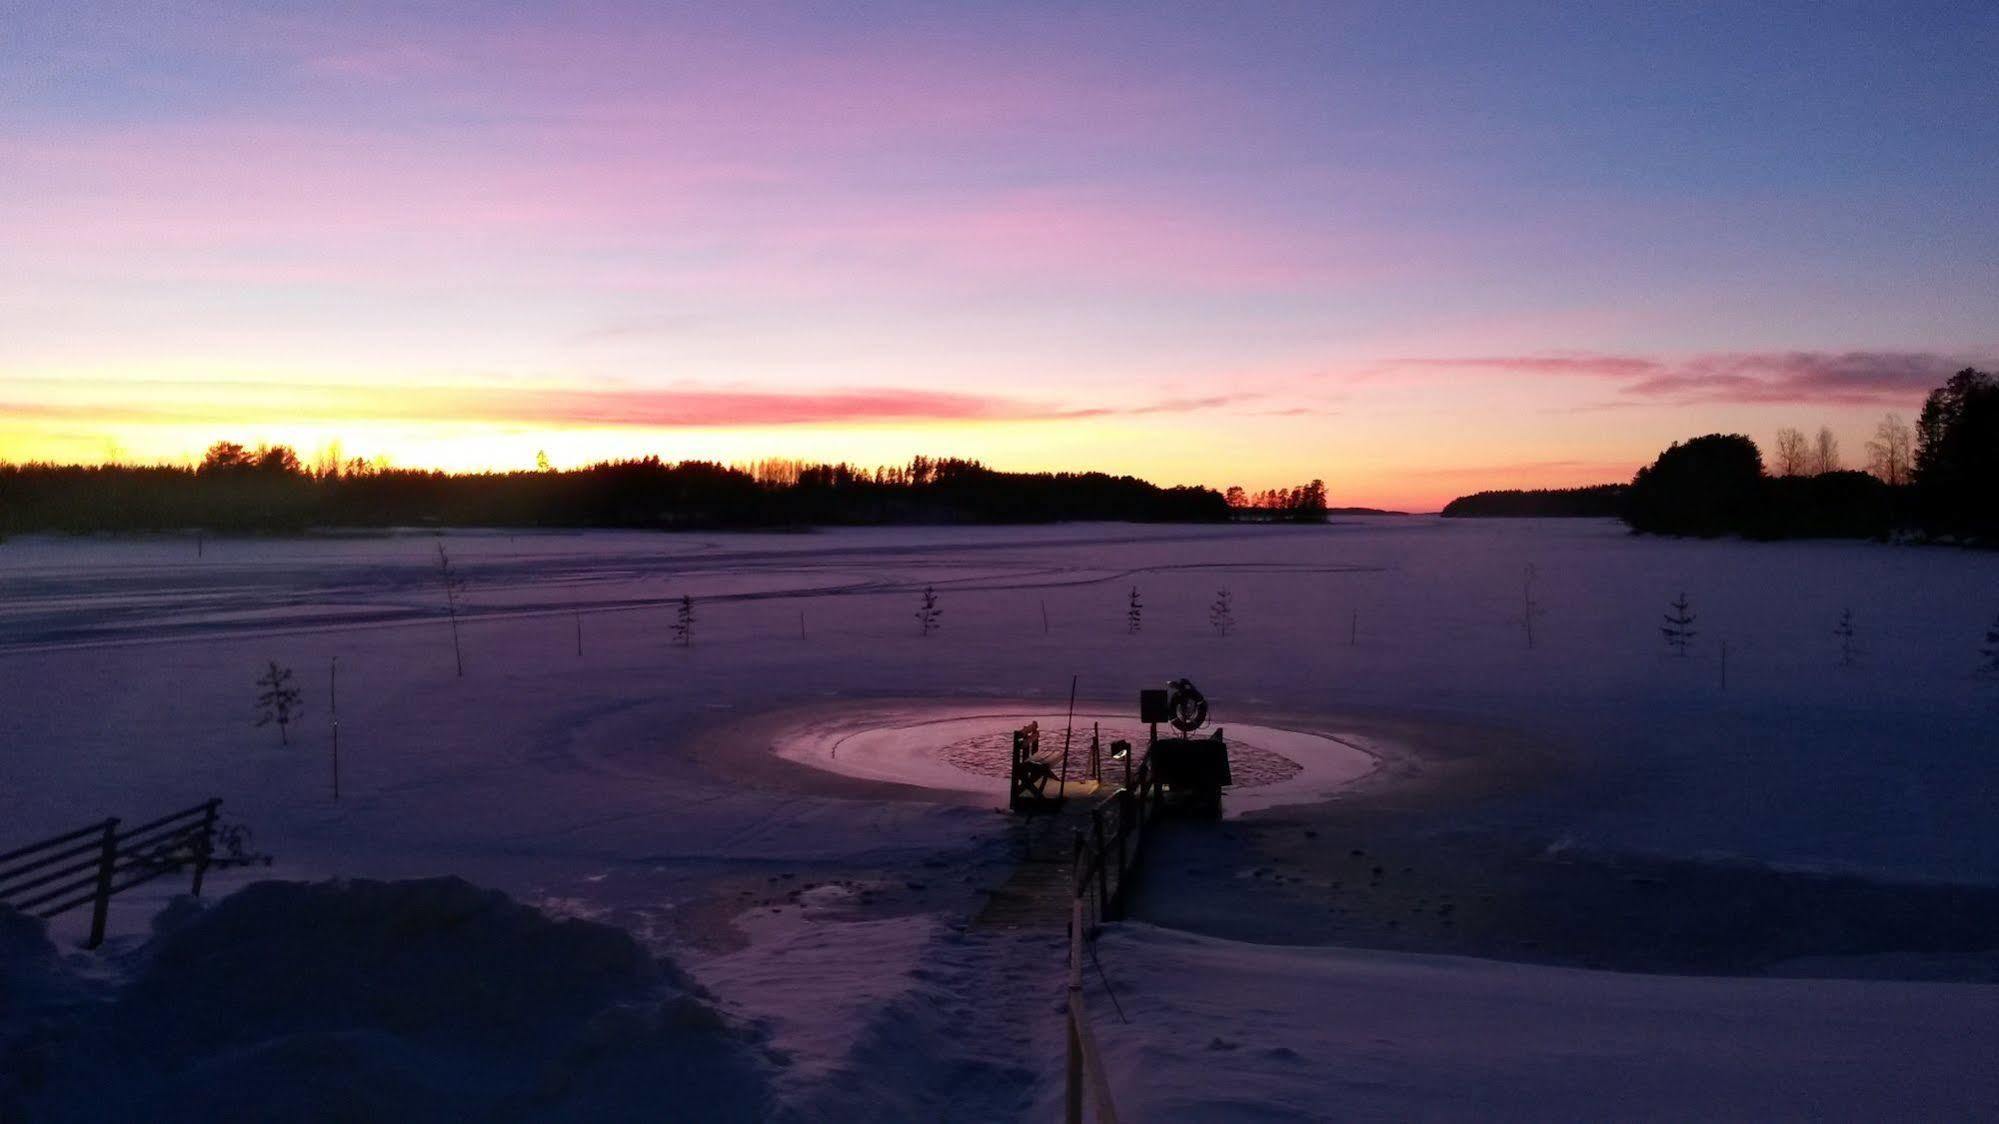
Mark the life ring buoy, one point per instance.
(1189, 707)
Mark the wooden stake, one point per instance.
(801, 624)
(333, 708)
(1044, 618)
(1353, 629)
(579, 632)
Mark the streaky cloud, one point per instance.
(1826, 377)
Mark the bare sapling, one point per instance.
(1134, 612)
(1529, 607)
(453, 587)
(277, 700)
(1221, 614)
(1849, 648)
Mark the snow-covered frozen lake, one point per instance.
(640, 783)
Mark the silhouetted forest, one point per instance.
(1305, 503)
(1946, 488)
(1598, 500)
(268, 489)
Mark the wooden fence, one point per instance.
(89, 865)
(1108, 856)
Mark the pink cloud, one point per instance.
(1558, 363)
(672, 408)
(1840, 378)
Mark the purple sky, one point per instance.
(1411, 249)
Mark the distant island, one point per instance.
(267, 489)
(1599, 501)
(1935, 481)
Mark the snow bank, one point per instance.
(30, 973)
(38, 1000)
(1221, 1030)
(416, 1000)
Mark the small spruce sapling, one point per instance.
(453, 586)
(1991, 649)
(1221, 616)
(1849, 649)
(1134, 613)
(683, 622)
(927, 613)
(1679, 630)
(277, 700)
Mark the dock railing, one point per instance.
(1108, 857)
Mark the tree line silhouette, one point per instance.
(1938, 480)
(1304, 503)
(1597, 500)
(268, 489)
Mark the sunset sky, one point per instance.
(1414, 249)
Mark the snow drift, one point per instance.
(417, 1000)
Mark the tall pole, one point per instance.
(333, 707)
(1062, 787)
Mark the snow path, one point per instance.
(981, 1012)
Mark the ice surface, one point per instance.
(959, 750)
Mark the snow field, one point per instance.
(636, 785)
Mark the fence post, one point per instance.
(1103, 866)
(1074, 1113)
(205, 845)
(1123, 838)
(107, 858)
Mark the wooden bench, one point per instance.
(1031, 773)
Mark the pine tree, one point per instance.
(1991, 649)
(928, 612)
(1678, 629)
(277, 701)
(1220, 615)
(683, 622)
(1134, 613)
(1849, 651)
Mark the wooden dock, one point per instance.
(1037, 895)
